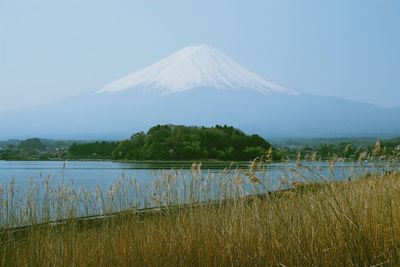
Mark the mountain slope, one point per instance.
(121, 114)
(193, 67)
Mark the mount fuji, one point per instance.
(194, 67)
(199, 85)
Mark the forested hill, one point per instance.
(172, 142)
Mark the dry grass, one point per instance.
(352, 223)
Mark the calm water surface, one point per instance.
(92, 173)
(105, 173)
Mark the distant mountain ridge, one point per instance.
(199, 86)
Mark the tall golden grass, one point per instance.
(206, 219)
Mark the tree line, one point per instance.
(98, 149)
(175, 142)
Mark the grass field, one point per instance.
(350, 223)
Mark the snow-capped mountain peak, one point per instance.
(194, 67)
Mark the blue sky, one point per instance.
(50, 49)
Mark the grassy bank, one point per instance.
(352, 223)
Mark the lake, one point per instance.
(104, 173)
(92, 173)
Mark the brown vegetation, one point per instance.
(352, 223)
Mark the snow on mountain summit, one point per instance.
(193, 67)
